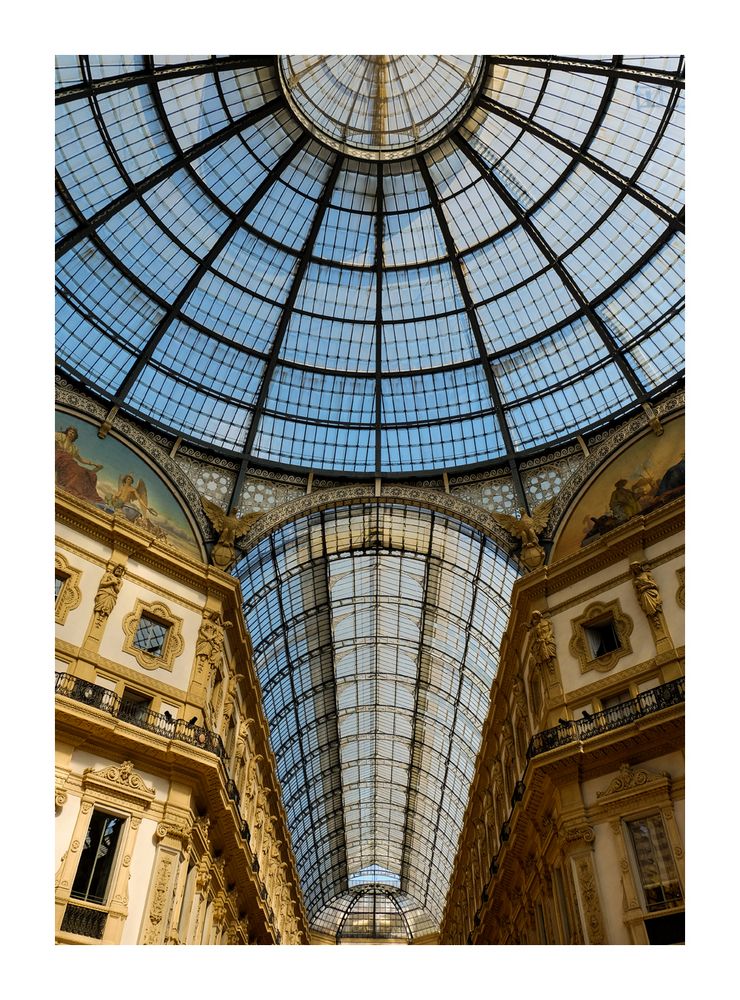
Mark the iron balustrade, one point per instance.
(91, 923)
(138, 715)
(576, 730)
(84, 921)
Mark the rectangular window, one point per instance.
(135, 707)
(95, 869)
(655, 864)
(616, 699)
(602, 637)
(151, 635)
(58, 584)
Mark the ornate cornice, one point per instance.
(443, 503)
(631, 779)
(119, 781)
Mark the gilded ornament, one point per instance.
(230, 527)
(527, 528)
(646, 588)
(542, 647)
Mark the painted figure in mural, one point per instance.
(623, 503)
(108, 589)
(673, 482)
(543, 639)
(646, 589)
(70, 470)
(132, 497)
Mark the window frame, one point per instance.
(173, 644)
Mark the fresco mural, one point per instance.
(645, 476)
(114, 478)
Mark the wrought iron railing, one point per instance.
(154, 722)
(576, 730)
(84, 921)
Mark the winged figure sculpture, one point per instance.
(527, 528)
(230, 527)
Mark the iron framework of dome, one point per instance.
(225, 275)
(317, 264)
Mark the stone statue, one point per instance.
(230, 702)
(543, 646)
(210, 641)
(527, 528)
(230, 527)
(520, 698)
(646, 589)
(108, 589)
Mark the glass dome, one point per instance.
(232, 268)
(380, 107)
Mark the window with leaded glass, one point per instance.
(655, 864)
(95, 869)
(151, 635)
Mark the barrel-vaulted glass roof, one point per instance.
(371, 265)
(376, 631)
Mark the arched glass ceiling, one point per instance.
(375, 631)
(227, 276)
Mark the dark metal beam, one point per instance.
(378, 316)
(138, 190)
(556, 263)
(192, 283)
(639, 74)
(476, 330)
(136, 78)
(284, 320)
(579, 155)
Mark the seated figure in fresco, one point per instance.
(133, 502)
(623, 503)
(673, 482)
(70, 468)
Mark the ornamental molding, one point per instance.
(173, 643)
(443, 503)
(593, 615)
(613, 442)
(70, 594)
(681, 592)
(120, 782)
(590, 897)
(631, 779)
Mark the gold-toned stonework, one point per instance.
(596, 614)
(527, 528)
(108, 590)
(629, 779)
(590, 896)
(230, 527)
(681, 592)
(542, 644)
(173, 644)
(70, 594)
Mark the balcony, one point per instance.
(577, 730)
(154, 722)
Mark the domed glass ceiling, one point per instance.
(226, 275)
(379, 107)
